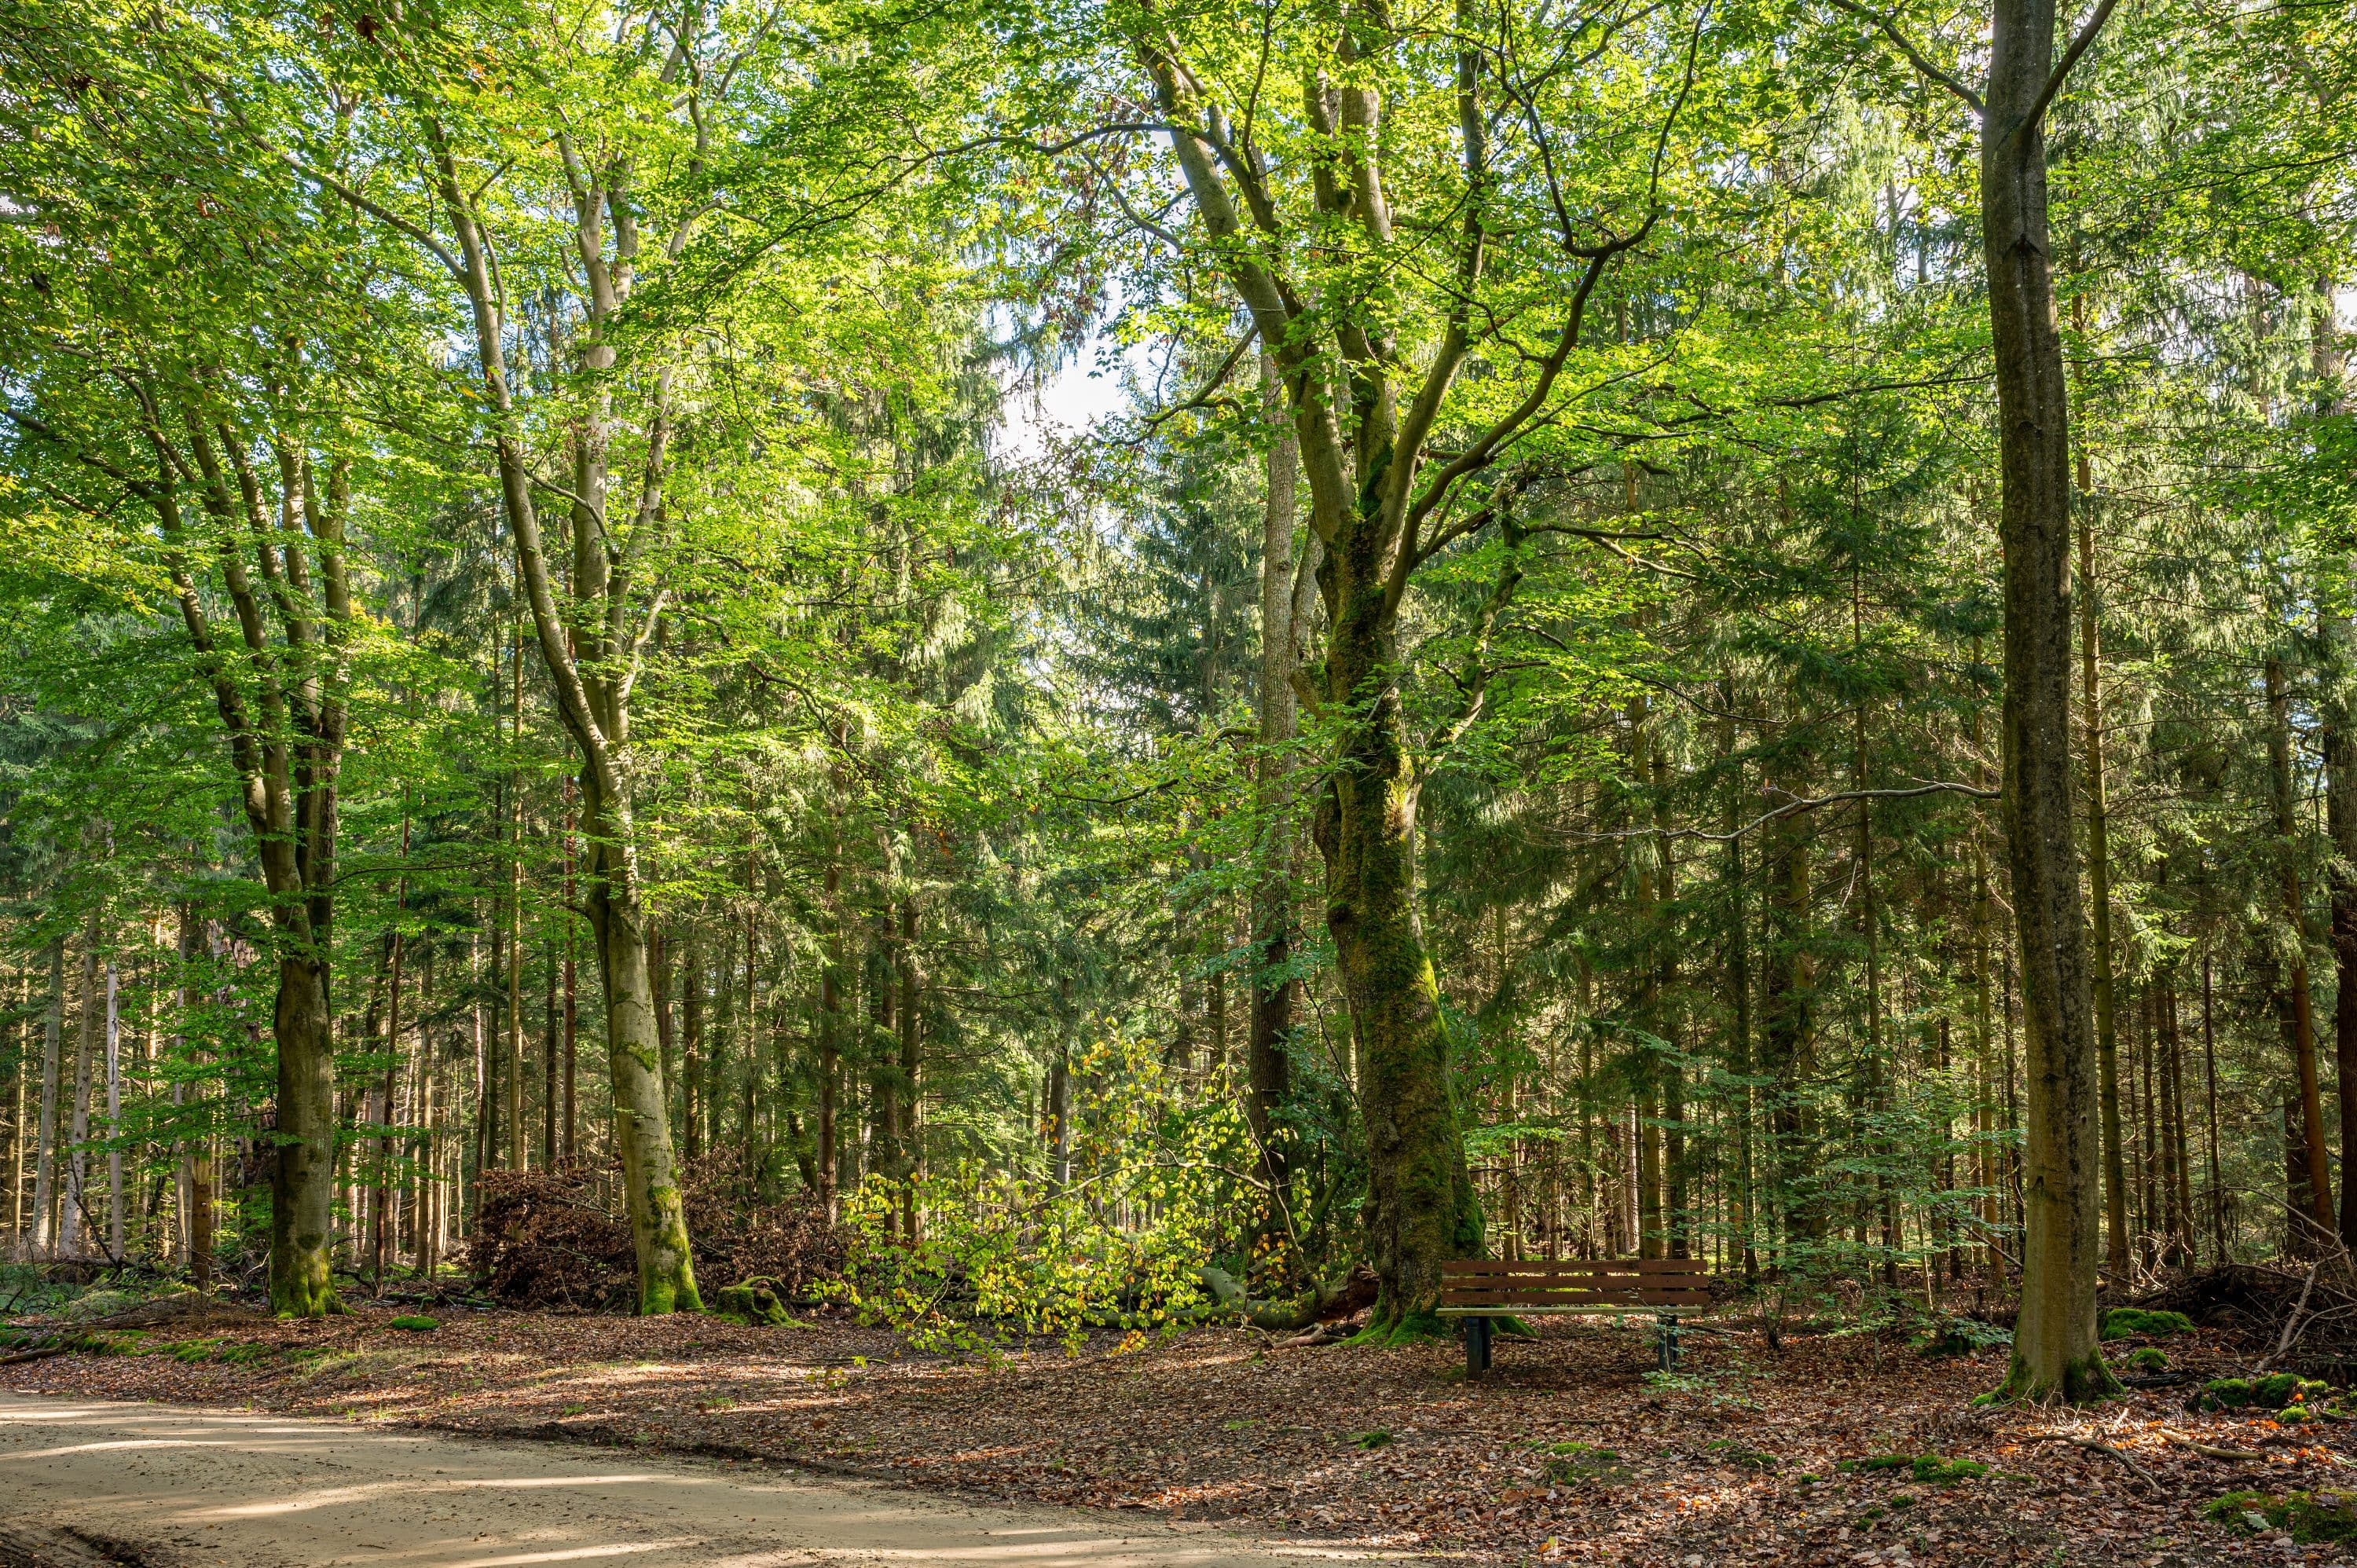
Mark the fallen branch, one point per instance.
(2212, 1450)
(2096, 1445)
(43, 1353)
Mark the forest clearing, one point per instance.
(1537, 781)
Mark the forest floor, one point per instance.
(1565, 1451)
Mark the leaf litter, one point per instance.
(1831, 1450)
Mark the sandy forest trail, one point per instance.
(87, 1483)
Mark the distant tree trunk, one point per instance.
(45, 1147)
(1060, 1120)
(513, 1071)
(2301, 1018)
(2055, 1351)
(551, 1060)
(2099, 868)
(73, 1229)
(2181, 1188)
(1742, 1194)
(1787, 1024)
(830, 1012)
(114, 1118)
(911, 978)
(2340, 817)
(2209, 1069)
(570, 1150)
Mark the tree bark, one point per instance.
(2055, 1352)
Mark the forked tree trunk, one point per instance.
(2055, 1351)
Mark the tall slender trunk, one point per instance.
(691, 1069)
(592, 703)
(2099, 870)
(45, 1147)
(512, 1071)
(570, 1150)
(911, 978)
(2209, 1071)
(830, 1039)
(1742, 1194)
(2055, 1351)
(73, 1229)
(1268, 1070)
(113, 1117)
(2341, 818)
(2302, 1011)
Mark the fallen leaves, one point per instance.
(1563, 1451)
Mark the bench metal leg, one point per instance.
(1477, 1346)
(1669, 1343)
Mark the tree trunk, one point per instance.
(1268, 1070)
(45, 1148)
(2209, 1071)
(2301, 1017)
(1420, 1208)
(303, 1176)
(2340, 818)
(115, 1240)
(2099, 903)
(73, 1229)
(2055, 1351)
(594, 710)
(634, 1069)
(829, 1017)
(570, 1151)
(911, 979)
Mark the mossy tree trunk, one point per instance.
(1365, 408)
(2055, 1352)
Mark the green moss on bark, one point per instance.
(2086, 1380)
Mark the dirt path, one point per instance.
(162, 1486)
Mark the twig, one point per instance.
(2096, 1445)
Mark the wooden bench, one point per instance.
(1479, 1289)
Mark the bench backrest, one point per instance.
(1602, 1283)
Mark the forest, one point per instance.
(1070, 670)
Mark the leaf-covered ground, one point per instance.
(1563, 1451)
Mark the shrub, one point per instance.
(1964, 1337)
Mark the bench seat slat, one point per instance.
(1488, 1266)
(1598, 1309)
(1569, 1298)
